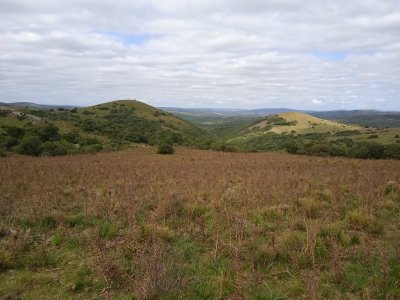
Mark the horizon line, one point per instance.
(204, 108)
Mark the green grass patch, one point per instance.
(360, 221)
(107, 230)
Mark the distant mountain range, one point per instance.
(228, 112)
(373, 118)
(35, 105)
(269, 111)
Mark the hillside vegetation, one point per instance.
(37, 130)
(301, 123)
(199, 225)
(300, 133)
(109, 126)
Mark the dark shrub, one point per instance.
(392, 151)
(319, 149)
(49, 133)
(223, 147)
(30, 145)
(375, 150)
(367, 150)
(72, 137)
(15, 132)
(165, 148)
(10, 142)
(96, 147)
(55, 148)
(292, 148)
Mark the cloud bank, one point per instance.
(220, 53)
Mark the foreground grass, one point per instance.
(199, 225)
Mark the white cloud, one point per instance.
(316, 101)
(342, 54)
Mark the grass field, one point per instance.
(199, 225)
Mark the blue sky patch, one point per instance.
(330, 55)
(134, 39)
(128, 39)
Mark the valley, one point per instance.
(39, 130)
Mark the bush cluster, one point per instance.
(317, 144)
(44, 139)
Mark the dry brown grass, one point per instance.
(199, 224)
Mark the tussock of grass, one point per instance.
(360, 221)
(311, 207)
(335, 232)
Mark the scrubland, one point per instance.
(199, 225)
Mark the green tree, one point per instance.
(56, 148)
(30, 145)
(49, 133)
(15, 132)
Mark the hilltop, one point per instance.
(301, 123)
(128, 116)
(297, 132)
(141, 110)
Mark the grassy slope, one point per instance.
(149, 120)
(199, 225)
(142, 110)
(307, 124)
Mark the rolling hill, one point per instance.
(372, 118)
(131, 115)
(105, 126)
(35, 130)
(301, 123)
(34, 105)
(297, 132)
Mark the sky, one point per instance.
(315, 54)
